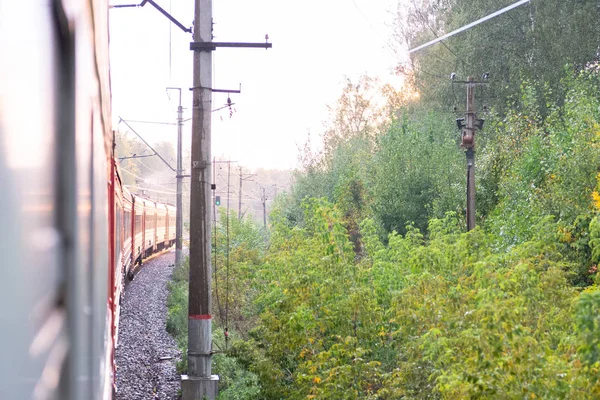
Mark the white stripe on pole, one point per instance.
(472, 24)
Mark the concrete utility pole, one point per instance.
(468, 129)
(263, 198)
(200, 383)
(242, 178)
(228, 191)
(469, 143)
(240, 196)
(179, 212)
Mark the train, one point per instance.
(71, 233)
(142, 227)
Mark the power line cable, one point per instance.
(469, 26)
(364, 17)
(424, 19)
(387, 47)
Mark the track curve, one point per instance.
(146, 353)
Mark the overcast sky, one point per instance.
(285, 90)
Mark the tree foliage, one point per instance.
(367, 285)
(532, 42)
(423, 309)
(445, 317)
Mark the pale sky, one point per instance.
(285, 90)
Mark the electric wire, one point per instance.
(152, 190)
(151, 122)
(170, 48)
(148, 168)
(363, 15)
(468, 26)
(132, 174)
(146, 143)
(388, 48)
(165, 185)
(227, 261)
(426, 22)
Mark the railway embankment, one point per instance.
(146, 354)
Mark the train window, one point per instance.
(118, 234)
(138, 223)
(127, 224)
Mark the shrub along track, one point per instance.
(146, 354)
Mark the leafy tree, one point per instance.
(532, 42)
(547, 167)
(417, 173)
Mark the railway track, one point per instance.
(146, 354)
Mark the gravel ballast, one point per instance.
(146, 354)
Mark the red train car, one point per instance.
(152, 230)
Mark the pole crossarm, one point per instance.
(472, 82)
(219, 90)
(151, 122)
(136, 156)
(211, 46)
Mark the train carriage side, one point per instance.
(138, 232)
(171, 228)
(116, 253)
(149, 227)
(161, 227)
(128, 232)
(55, 175)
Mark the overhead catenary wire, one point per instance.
(132, 174)
(165, 185)
(149, 168)
(469, 26)
(146, 143)
(150, 122)
(152, 190)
